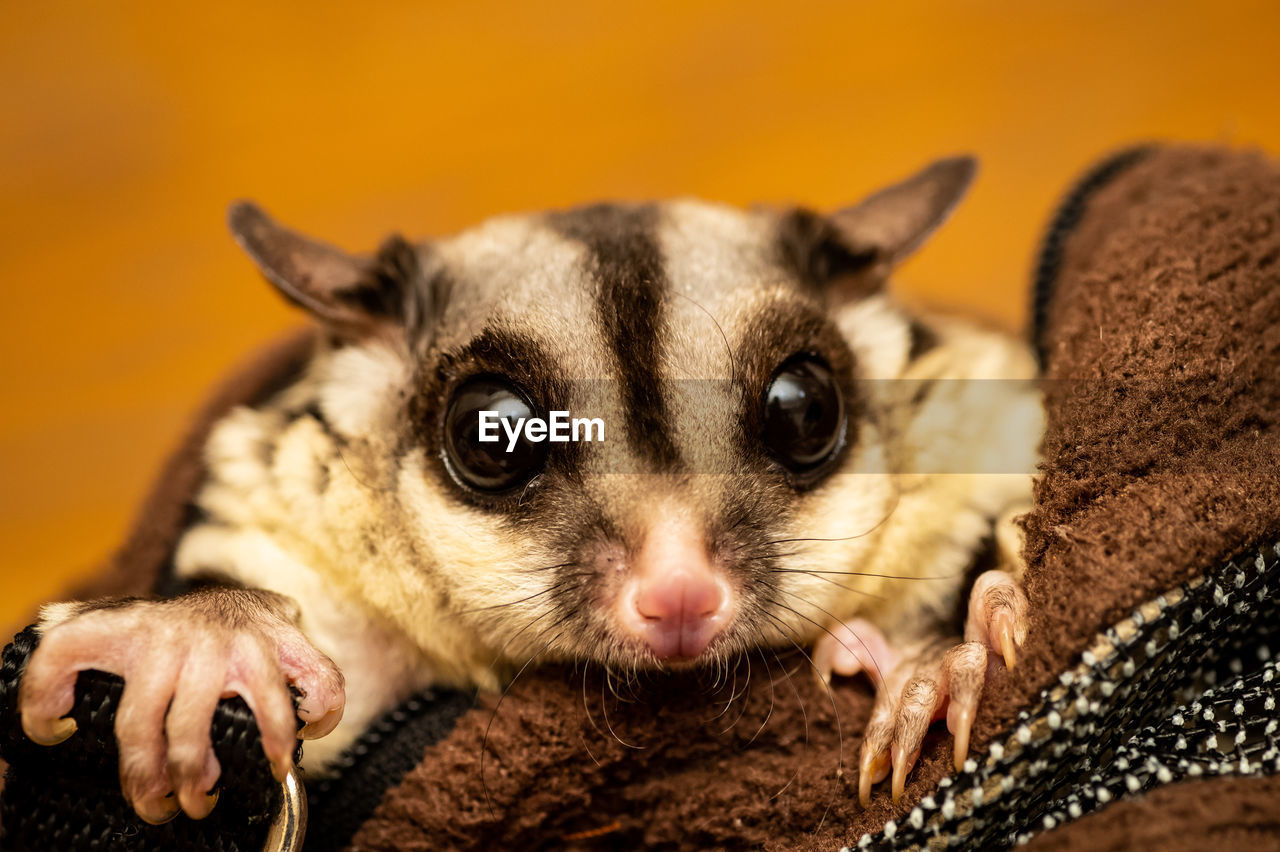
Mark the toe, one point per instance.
(997, 615)
(852, 647)
(916, 709)
(47, 690)
(197, 792)
(320, 682)
(193, 768)
(964, 669)
(902, 761)
(139, 728)
(255, 676)
(45, 697)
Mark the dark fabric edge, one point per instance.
(1066, 217)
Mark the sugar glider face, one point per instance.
(720, 352)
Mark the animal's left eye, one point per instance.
(804, 414)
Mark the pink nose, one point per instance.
(675, 600)
(682, 613)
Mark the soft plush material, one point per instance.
(1152, 576)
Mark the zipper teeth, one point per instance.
(1065, 219)
(383, 728)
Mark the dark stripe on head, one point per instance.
(627, 264)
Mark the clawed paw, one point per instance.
(178, 658)
(920, 684)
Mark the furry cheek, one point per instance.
(825, 573)
(879, 335)
(361, 387)
(492, 575)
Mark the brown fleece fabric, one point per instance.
(681, 766)
(1235, 814)
(1163, 452)
(670, 764)
(1163, 392)
(1160, 460)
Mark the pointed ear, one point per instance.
(353, 295)
(893, 222)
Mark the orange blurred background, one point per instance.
(126, 129)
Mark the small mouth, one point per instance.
(676, 661)
(683, 663)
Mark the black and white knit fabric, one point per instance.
(1185, 687)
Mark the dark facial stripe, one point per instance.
(627, 265)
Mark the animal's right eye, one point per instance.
(490, 465)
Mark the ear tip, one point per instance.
(960, 169)
(243, 215)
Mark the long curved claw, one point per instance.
(1002, 627)
(48, 732)
(902, 763)
(874, 767)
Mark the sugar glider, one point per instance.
(789, 457)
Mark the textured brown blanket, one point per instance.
(1161, 461)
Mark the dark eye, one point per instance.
(803, 414)
(488, 465)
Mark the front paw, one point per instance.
(918, 685)
(178, 658)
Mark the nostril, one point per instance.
(648, 613)
(660, 601)
(706, 600)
